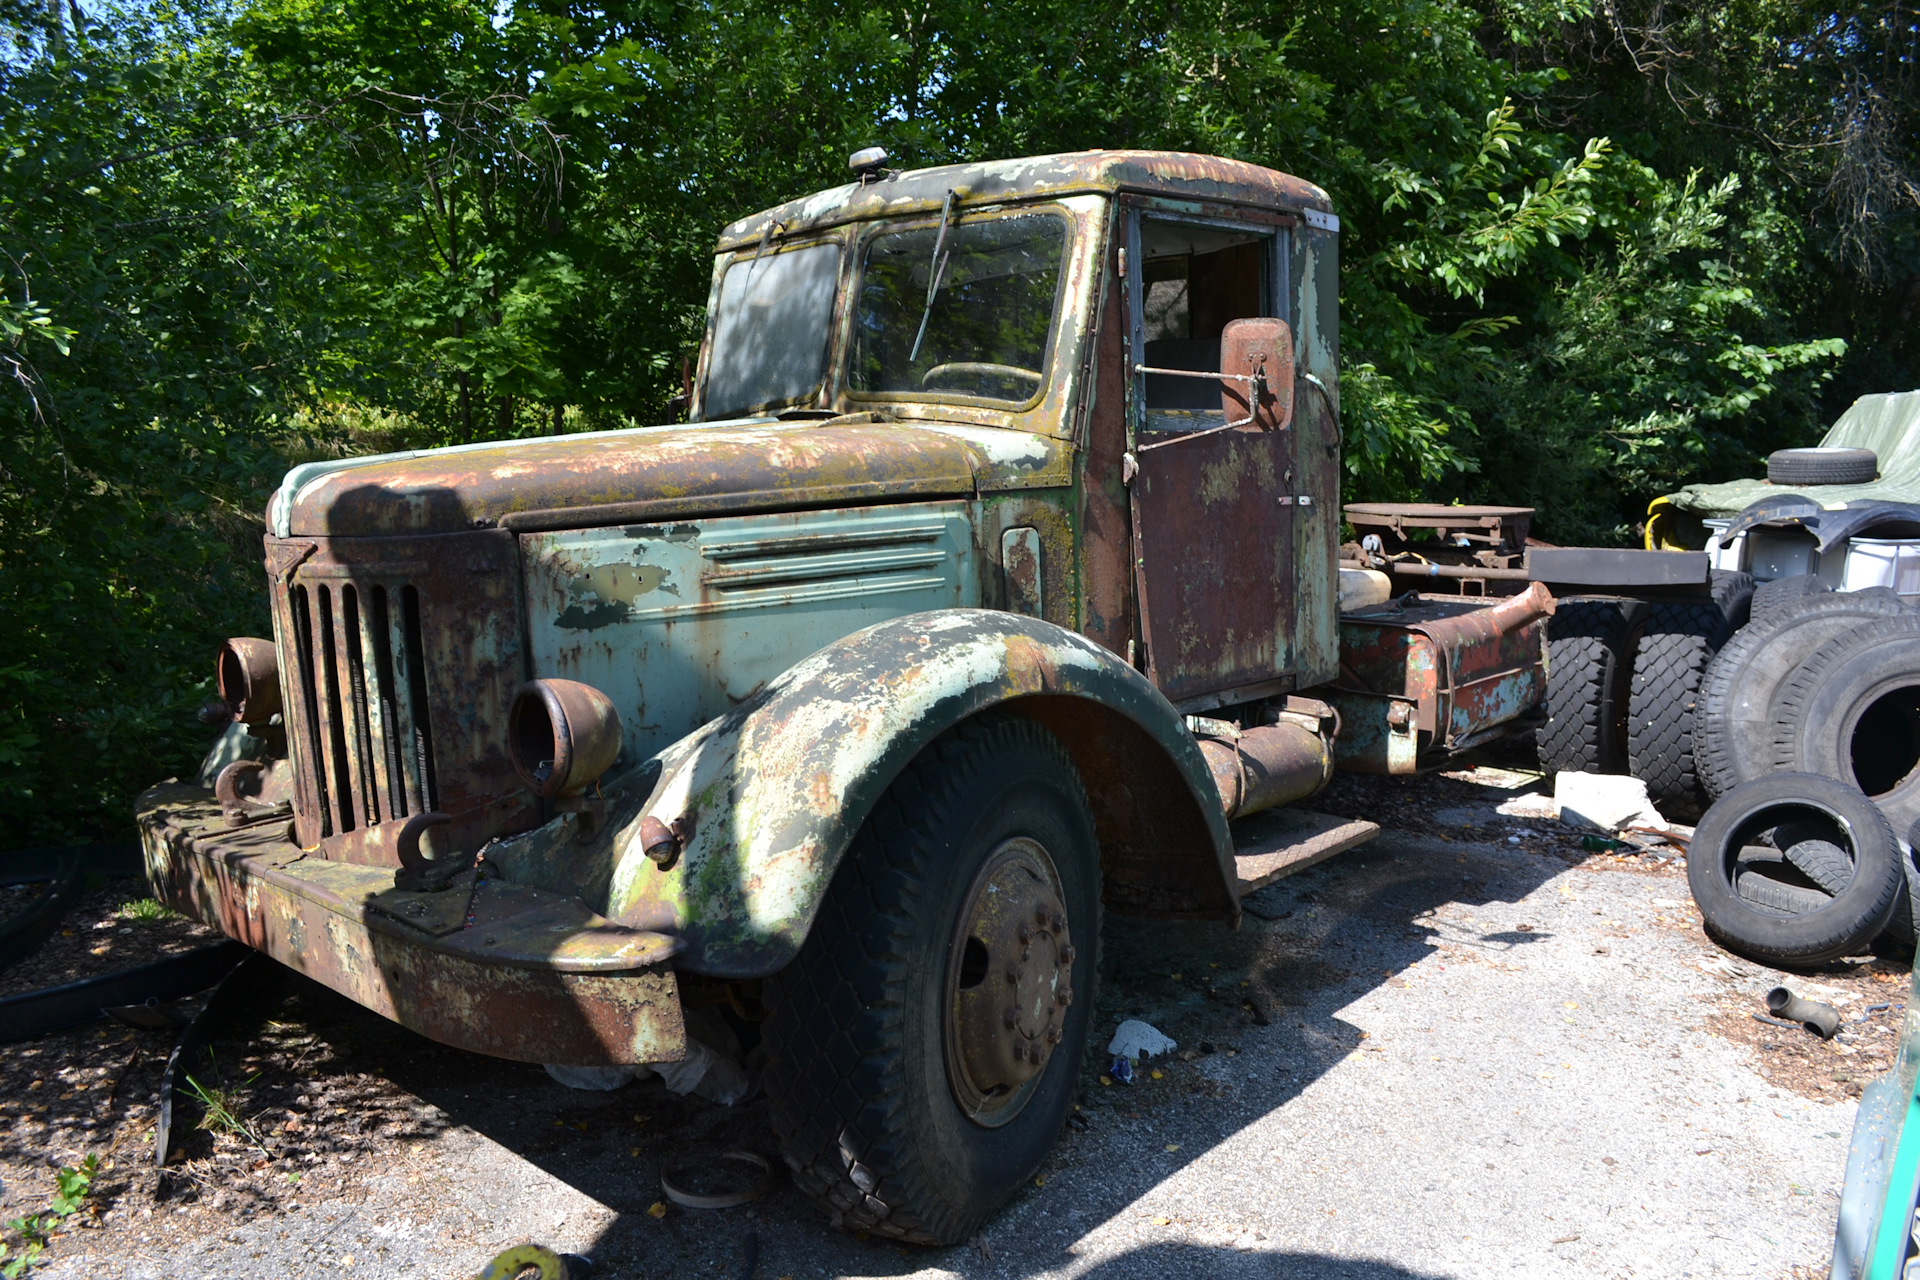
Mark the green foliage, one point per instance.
(72, 1184)
(146, 911)
(1590, 253)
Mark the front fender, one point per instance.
(769, 796)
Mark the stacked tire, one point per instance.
(1623, 687)
(1817, 697)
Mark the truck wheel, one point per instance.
(1672, 656)
(926, 1041)
(1733, 592)
(1852, 711)
(1767, 911)
(1589, 671)
(1829, 465)
(1732, 725)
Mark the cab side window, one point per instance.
(1194, 280)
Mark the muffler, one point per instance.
(1271, 764)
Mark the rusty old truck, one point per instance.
(990, 585)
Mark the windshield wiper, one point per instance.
(938, 272)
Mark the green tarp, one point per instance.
(1887, 424)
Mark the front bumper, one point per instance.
(494, 967)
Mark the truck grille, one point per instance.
(398, 659)
(363, 688)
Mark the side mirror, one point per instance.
(1256, 361)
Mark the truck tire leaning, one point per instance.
(1777, 598)
(1852, 711)
(1733, 592)
(1589, 676)
(1674, 649)
(1731, 743)
(1753, 903)
(1829, 465)
(897, 1113)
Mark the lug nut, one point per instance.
(1019, 1053)
(1053, 1033)
(1066, 955)
(1013, 975)
(1065, 997)
(1045, 914)
(1011, 1017)
(1026, 932)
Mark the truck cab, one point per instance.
(981, 590)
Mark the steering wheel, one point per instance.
(966, 367)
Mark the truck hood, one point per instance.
(652, 473)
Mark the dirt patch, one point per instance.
(1872, 1001)
(1461, 804)
(115, 925)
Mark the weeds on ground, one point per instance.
(220, 1108)
(32, 1232)
(146, 911)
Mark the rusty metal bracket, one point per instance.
(237, 809)
(419, 873)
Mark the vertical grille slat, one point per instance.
(384, 707)
(333, 729)
(360, 742)
(417, 697)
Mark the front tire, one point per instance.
(927, 1039)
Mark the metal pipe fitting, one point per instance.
(1821, 1019)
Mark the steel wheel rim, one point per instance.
(1008, 982)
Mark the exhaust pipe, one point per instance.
(1271, 765)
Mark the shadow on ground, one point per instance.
(1263, 1000)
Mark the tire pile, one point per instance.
(1808, 740)
(1790, 713)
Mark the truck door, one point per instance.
(1213, 505)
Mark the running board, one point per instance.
(1275, 844)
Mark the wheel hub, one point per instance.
(1009, 981)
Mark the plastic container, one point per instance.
(1884, 562)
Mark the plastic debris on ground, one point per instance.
(710, 1070)
(1604, 802)
(1121, 1070)
(1136, 1039)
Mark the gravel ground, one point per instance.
(1442, 1054)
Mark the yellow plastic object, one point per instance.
(1659, 518)
(510, 1264)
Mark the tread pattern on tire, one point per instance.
(837, 1085)
(1823, 862)
(1823, 466)
(1586, 649)
(1800, 689)
(1668, 665)
(1779, 597)
(1777, 897)
(1716, 758)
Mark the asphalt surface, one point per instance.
(1476, 1060)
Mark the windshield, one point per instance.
(770, 330)
(986, 330)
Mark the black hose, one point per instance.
(36, 1013)
(65, 869)
(1821, 1019)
